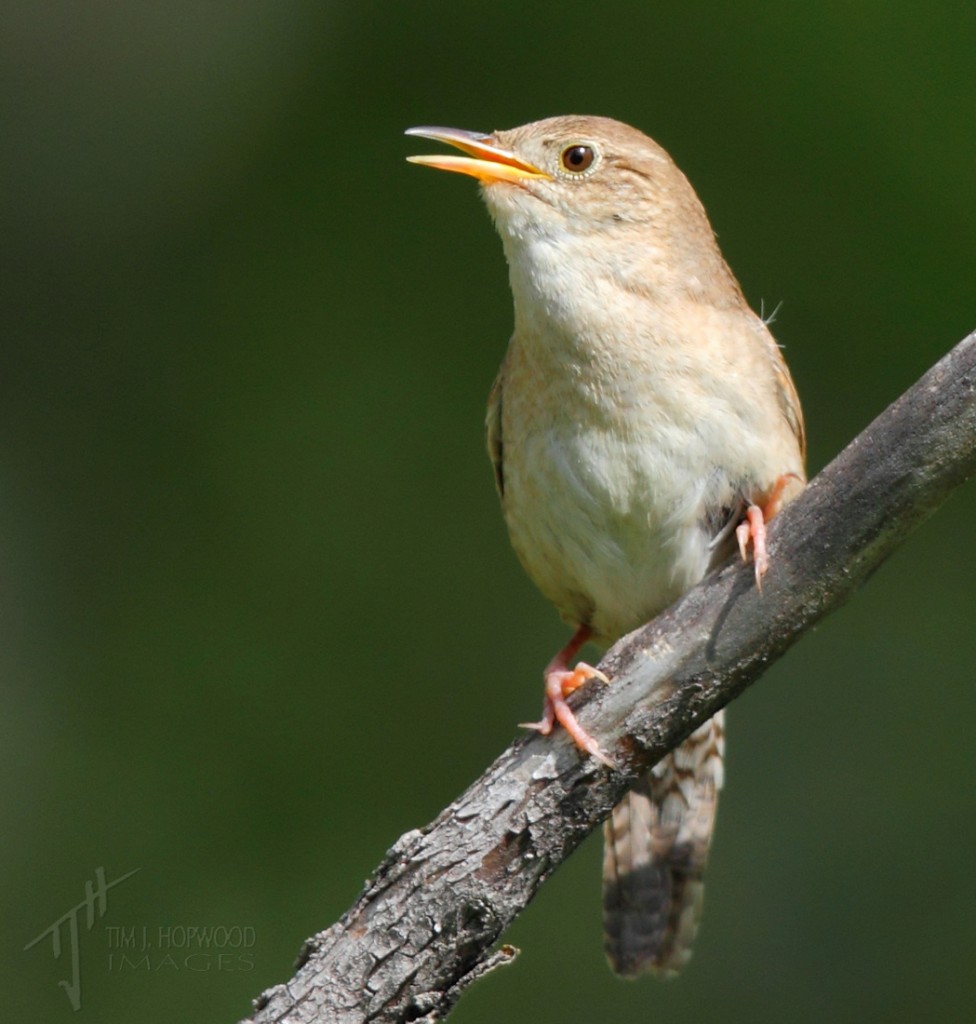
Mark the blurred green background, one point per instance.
(259, 612)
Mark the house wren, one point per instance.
(643, 421)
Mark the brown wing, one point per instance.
(493, 425)
(789, 400)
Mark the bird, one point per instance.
(643, 424)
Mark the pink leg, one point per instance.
(752, 529)
(560, 682)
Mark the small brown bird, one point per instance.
(643, 421)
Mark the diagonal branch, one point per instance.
(424, 926)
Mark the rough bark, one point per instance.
(426, 923)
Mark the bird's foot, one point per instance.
(752, 529)
(560, 683)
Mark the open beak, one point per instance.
(485, 161)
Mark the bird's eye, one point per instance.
(577, 158)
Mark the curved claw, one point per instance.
(559, 684)
(752, 530)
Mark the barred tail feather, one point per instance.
(655, 847)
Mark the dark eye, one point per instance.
(577, 158)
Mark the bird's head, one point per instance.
(571, 175)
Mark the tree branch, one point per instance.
(424, 926)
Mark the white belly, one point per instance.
(612, 530)
(620, 457)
